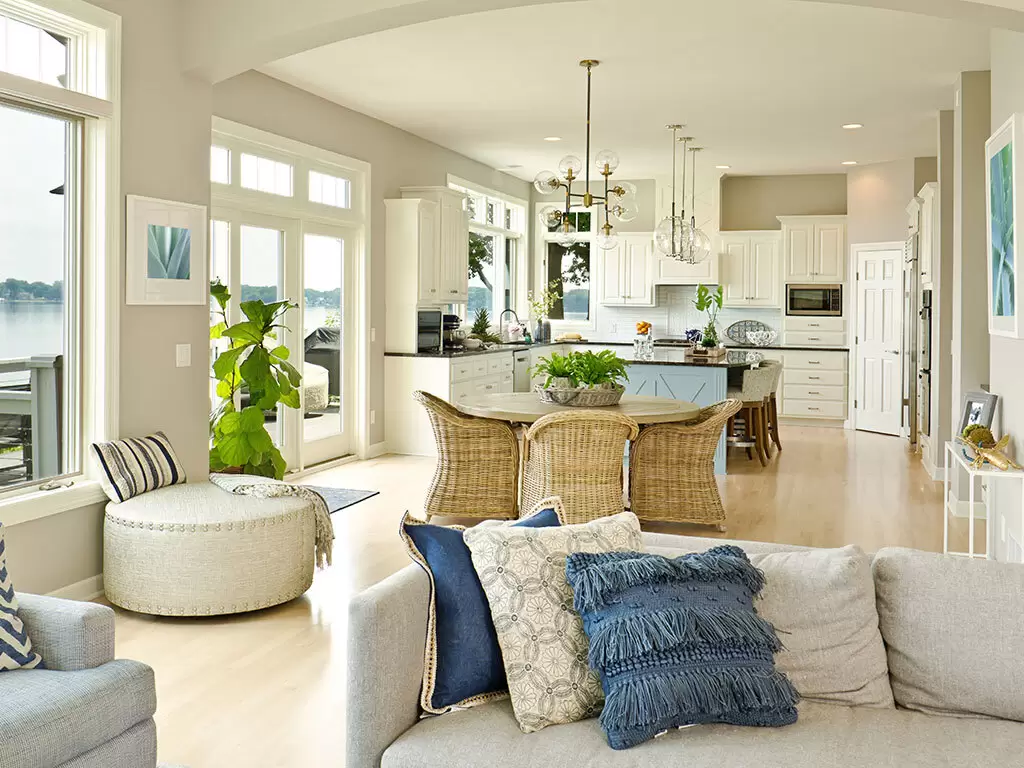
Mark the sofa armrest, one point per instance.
(387, 636)
(69, 635)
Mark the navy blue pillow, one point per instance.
(462, 664)
(678, 642)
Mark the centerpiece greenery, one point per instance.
(709, 303)
(482, 327)
(254, 364)
(592, 370)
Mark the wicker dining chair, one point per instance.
(672, 469)
(477, 472)
(577, 455)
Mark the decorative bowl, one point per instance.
(472, 344)
(580, 397)
(761, 338)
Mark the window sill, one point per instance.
(33, 505)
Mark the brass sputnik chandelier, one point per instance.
(618, 201)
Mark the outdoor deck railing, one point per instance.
(41, 403)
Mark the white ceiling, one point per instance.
(764, 84)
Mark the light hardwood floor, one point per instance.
(266, 690)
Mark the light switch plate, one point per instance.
(183, 355)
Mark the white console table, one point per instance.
(954, 461)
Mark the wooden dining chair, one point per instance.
(477, 473)
(672, 469)
(577, 455)
(754, 394)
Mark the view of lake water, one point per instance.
(29, 328)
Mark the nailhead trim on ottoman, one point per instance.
(197, 550)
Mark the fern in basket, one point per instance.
(594, 370)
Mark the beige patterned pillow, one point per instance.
(543, 645)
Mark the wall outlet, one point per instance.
(613, 328)
(373, 417)
(183, 355)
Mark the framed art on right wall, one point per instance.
(1004, 215)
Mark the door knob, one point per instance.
(892, 351)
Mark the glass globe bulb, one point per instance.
(545, 182)
(550, 217)
(606, 158)
(566, 238)
(671, 234)
(626, 210)
(628, 190)
(697, 247)
(570, 163)
(607, 242)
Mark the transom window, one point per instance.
(329, 190)
(220, 165)
(28, 51)
(265, 175)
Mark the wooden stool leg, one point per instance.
(766, 427)
(748, 432)
(774, 415)
(758, 419)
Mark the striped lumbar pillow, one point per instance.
(135, 465)
(15, 647)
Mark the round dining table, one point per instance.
(527, 407)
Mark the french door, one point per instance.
(258, 256)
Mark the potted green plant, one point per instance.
(541, 303)
(482, 328)
(709, 303)
(585, 379)
(255, 364)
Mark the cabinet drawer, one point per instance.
(507, 383)
(479, 366)
(462, 390)
(462, 370)
(832, 361)
(507, 362)
(815, 324)
(814, 392)
(822, 378)
(493, 363)
(815, 338)
(488, 385)
(813, 409)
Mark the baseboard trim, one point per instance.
(83, 591)
(375, 450)
(961, 508)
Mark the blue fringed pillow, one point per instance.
(678, 642)
(462, 661)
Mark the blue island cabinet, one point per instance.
(696, 384)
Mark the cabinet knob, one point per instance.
(433, 290)
(453, 291)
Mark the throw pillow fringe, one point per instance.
(643, 701)
(625, 637)
(597, 577)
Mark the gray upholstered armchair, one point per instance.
(85, 710)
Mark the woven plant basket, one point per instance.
(580, 397)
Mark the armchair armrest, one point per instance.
(387, 637)
(69, 635)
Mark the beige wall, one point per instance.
(876, 201)
(1007, 355)
(926, 169)
(396, 158)
(755, 202)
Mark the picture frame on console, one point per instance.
(1004, 209)
(165, 252)
(978, 408)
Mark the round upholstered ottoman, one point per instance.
(197, 550)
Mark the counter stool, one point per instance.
(773, 404)
(754, 394)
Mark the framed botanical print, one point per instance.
(165, 246)
(1004, 216)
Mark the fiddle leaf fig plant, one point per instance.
(709, 303)
(252, 363)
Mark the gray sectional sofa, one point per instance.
(85, 710)
(953, 657)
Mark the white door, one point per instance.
(763, 281)
(734, 270)
(879, 388)
(829, 246)
(328, 343)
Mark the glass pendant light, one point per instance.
(697, 246)
(670, 233)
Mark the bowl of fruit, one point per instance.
(643, 328)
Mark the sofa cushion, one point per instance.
(48, 717)
(543, 646)
(954, 632)
(834, 653)
(677, 642)
(462, 661)
(15, 645)
(135, 465)
(824, 736)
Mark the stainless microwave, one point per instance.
(815, 300)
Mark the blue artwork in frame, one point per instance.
(1004, 217)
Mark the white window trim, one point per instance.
(304, 158)
(97, 51)
(541, 241)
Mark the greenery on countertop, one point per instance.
(602, 369)
(482, 327)
(709, 303)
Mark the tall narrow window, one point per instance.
(39, 297)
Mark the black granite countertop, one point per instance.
(669, 356)
(457, 353)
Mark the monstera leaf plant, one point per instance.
(251, 363)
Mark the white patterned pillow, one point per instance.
(15, 647)
(543, 645)
(137, 464)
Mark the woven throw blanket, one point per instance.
(269, 488)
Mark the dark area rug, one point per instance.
(341, 498)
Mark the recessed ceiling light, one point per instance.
(849, 162)
(552, 138)
(723, 167)
(853, 126)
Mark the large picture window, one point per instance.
(568, 270)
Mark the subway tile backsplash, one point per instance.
(673, 315)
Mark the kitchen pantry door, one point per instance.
(879, 387)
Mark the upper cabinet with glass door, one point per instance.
(813, 249)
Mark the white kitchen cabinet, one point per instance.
(451, 242)
(626, 275)
(749, 269)
(815, 385)
(813, 249)
(929, 233)
(669, 271)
